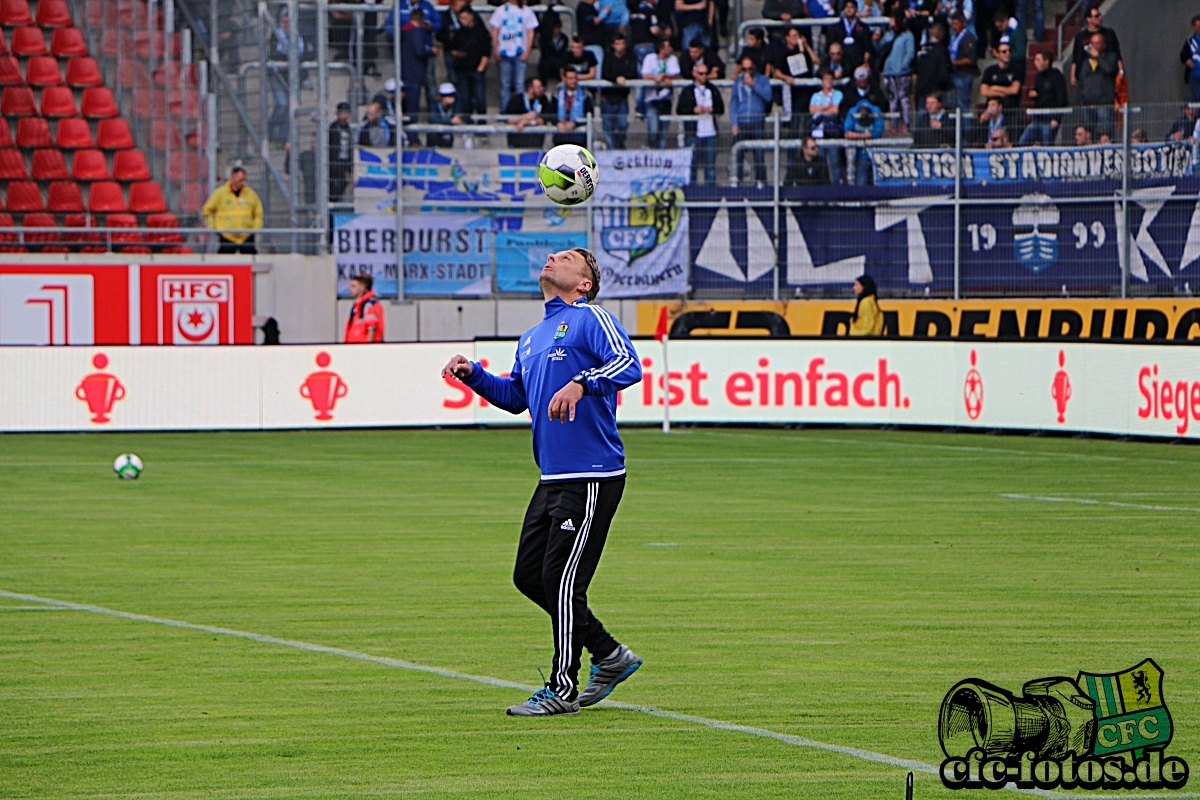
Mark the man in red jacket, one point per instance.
(366, 317)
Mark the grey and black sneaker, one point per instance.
(543, 703)
(607, 674)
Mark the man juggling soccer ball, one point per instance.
(568, 371)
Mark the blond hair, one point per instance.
(589, 258)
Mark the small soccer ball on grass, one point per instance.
(568, 174)
(127, 466)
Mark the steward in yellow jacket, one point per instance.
(867, 319)
(232, 206)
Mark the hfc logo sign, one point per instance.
(195, 309)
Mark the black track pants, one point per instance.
(561, 542)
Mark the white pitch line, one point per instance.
(786, 738)
(1083, 501)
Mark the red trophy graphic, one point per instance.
(323, 388)
(973, 390)
(1061, 389)
(100, 390)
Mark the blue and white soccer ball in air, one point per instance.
(127, 466)
(568, 174)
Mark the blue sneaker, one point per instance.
(543, 703)
(607, 674)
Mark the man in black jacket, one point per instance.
(702, 101)
(1083, 39)
(855, 37)
(1049, 91)
(532, 107)
(862, 89)
(697, 53)
(931, 68)
(935, 128)
(619, 66)
(471, 48)
(341, 152)
(810, 169)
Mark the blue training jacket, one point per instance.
(572, 339)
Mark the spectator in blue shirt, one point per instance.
(432, 21)
(863, 122)
(1190, 56)
(897, 69)
(749, 102)
(614, 14)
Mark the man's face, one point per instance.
(793, 39)
(810, 149)
(1004, 55)
(957, 26)
(1196, 27)
(826, 83)
(343, 117)
(237, 180)
(850, 9)
(618, 46)
(700, 73)
(536, 89)
(999, 139)
(1040, 62)
(666, 50)
(1082, 137)
(933, 105)
(862, 83)
(1094, 18)
(374, 112)
(448, 100)
(576, 48)
(753, 41)
(696, 53)
(564, 271)
(466, 18)
(748, 65)
(1098, 44)
(1189, 112)
(993, 107)
(835, 53)
(357, 288)
(571, 80)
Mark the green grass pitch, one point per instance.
(830, 584)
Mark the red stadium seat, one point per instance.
(17, 101)
(73, 134)
(68, 43)
(130, 165)
(185, 104)
(24, 196)
(49, 165)
(113, 134)
(12, 165)
(133, 14)
(65, 196)
(170, 71)
(123, 221)
(146, 197)
(83, 72)
(158, 134)
(106, 196)
(6, 139)
(150, 103)
(163, 221)
(59, 101)
(41, 220)
(15, 12)
(90, 165)
(192, 167)
(6, 221)
(98, 102)
(133, 73)
(195, 139)
(28, 42)
(53, 14)
(81, 221)
(178, 250)
(33, 132)
(43, 71)
(10, 71)
(113, 43)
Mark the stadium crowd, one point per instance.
(856, 82)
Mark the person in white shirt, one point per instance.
(704, 102)
(662, 67)
(512, 27)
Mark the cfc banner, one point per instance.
(641, 222)
(1145, 390)
(1103, 162)
(72, 304)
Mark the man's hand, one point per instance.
(460, 368)
(562, 405)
